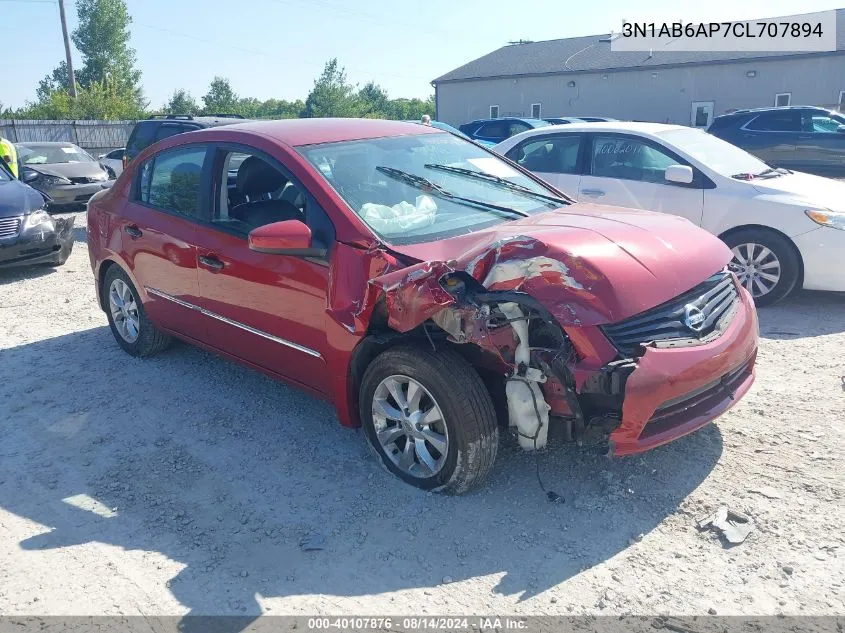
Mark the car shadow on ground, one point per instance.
(19, 273)
(806, 313)
(226, 472)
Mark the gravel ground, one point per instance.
(186, 484)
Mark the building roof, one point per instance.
(592, 53)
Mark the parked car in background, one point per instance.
(492, 131)
(786, 230)
(578, 119)
(159, 127)
(443, 126)
(413, 278)
(802, 138)
(28, 234)
(65, 172)
(113, 161)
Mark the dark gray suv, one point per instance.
(803, 138)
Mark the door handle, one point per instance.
(133, 231)
(593, 192)
(211, 261)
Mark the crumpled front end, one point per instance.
(572, 344)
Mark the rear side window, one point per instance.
(142, 137)
(551, 155)
(171, 181)
(785, 121)
(496, 129)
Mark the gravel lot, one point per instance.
(185, 484)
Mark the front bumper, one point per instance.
(675, 391)
(70, 195)
(822, 252)
(37, 246)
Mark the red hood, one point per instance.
(589, 264)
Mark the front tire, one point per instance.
(765, 263)
(128, 320)
(429, 418)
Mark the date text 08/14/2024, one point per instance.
(460, 623)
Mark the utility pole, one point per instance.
(71, 77)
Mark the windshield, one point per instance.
(419, 188)
(720, 156)
(52, 154)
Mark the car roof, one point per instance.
(313, 131)
(604, 126)
(771, 109)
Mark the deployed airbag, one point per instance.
(400, 218)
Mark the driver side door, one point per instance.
(628, 171)
(266, 309)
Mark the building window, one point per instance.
(535, 110)
(783, 99)
(494, 112)
(842, 100)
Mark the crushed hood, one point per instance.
(587, 264)
(86, 169)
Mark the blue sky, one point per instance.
(275, 48)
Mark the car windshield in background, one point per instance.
(419, 188)
(720, 156)
(52, 154)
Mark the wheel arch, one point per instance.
(768, 229)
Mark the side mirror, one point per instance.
(290, 237)
(841, 129)
(681, 174)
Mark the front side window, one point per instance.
(629, 159)
(254, 192)
(171, 181)
(419, 188)
(552, 155)
(816, 123)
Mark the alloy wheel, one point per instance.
(756, 267)
(410, 427)
(124, 310)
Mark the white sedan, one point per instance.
(786, 229)
(113, 161)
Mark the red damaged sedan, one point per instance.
(414, 279)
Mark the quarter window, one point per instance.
(629, 159)
(551, 155)
(171, 181)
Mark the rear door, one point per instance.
(553, 157)
(268, 310)
(628, 171)
(820, 148)
(158, 235)
(771, 136)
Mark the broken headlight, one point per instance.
(38, 219)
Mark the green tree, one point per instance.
(100, 100)
(373, 101)
(102, 38)
(181, 102)
(332, 95)
(220, 97)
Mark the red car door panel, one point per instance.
(266, 309)
(161, 251)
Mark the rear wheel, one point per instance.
(765, 263)
(429, 418)
(128, 321)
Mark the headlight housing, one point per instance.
(50, 180)
(824, 217)
(38, 219)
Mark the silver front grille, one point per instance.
(9, 227)
(713, 300)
